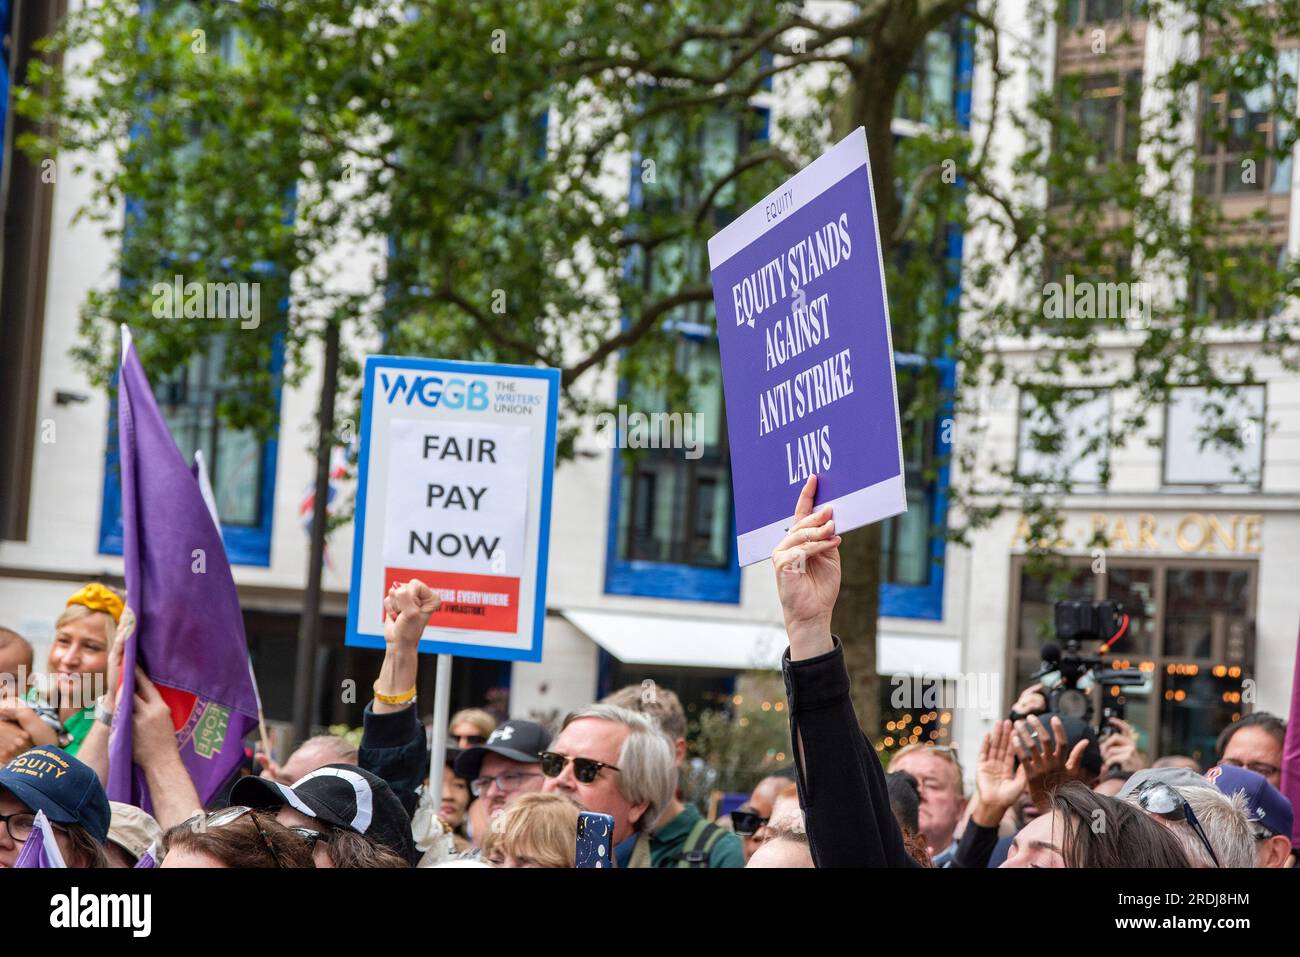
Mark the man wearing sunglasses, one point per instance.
(682, 836)
(748, 824)
(616, 762)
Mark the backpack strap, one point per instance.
(699, 843)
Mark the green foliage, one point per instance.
(742, 744)
(488, 150)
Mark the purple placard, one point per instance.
(807, 358)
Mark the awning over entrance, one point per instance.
(679, 641)
(637, 639)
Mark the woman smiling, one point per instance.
(76, 668)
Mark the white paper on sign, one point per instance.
(457, 497)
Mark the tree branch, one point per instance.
(630, 334)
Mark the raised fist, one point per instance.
(406, 612)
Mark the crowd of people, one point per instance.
(1048, 791)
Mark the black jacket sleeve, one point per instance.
(393, 748)
(841, 783)
(976, 846)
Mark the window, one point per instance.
(911, 544)
(1080, 12)
(1249, 288)
(1191, 632)
(671, 528)
(1240, 133)
(241, 465)
(1102, 122)
(1072, 449)
(1214, 439)
(926, 94)
(676, 504)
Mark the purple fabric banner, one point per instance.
(148, 860)
(807, 358)
(185, 627)
(40, 849)
(1291, 750)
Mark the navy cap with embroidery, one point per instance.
(51, 780)
(1266, 805)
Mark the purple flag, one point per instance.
(1291, 749)
(41, 849)
(148, 858)
(182, 624)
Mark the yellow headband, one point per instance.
(98, 597)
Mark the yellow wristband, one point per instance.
(394, 698)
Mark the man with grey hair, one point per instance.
(612, 761)
(1213, 828)
(682, 837)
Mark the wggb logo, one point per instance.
(431, 389)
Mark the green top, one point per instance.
(669, 840)
(76, 727)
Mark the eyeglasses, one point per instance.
(746, 823)
(508, 783)
(1165, 801)
(19, 825)
(229, 815)
(584, 769)
(1259, 767)
(470, 740)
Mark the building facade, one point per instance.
(1196, 541)
(643, 578)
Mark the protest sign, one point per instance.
(454, 488)
(807, 358)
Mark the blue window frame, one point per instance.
(188, 400)
(247, 535)
(6, 21)
(920, 598)
(701, 564)
(923, 599)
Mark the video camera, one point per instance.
(1071, 679)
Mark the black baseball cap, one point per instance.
(516, 739)
(341, 795)
(68, 791)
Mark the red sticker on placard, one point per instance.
(469, 602)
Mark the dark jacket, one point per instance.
(393, 747)
(976, 846)
(841, 784)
